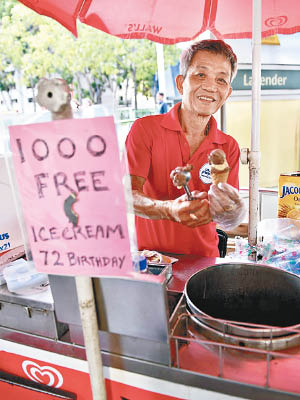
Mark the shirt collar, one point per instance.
(170, 121)
(214, 135)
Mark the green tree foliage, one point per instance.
(6, 7)
(40, 47)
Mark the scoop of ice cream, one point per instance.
(217, 156)
(181, 175)
(219, 168)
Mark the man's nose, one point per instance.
(209, 84)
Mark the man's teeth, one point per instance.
(205, 98)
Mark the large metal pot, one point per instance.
(246, 293)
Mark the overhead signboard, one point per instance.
(271, 79)
(70, 182)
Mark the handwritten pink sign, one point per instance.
(70, 182)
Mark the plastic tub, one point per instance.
(22, 278)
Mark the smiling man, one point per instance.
(156, 145)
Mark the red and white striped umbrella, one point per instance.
(172, 21)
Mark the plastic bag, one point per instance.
(279, 229)
(227, 208)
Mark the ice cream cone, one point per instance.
(219, 168)
(219, 176)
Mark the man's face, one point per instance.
(207, 83)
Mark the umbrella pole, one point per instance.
(254, 157)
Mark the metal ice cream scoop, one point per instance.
(187, 175)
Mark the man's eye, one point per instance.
(223, 81)
(200, 74)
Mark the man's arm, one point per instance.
(143, 205)
(190, 213)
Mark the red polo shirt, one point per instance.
(155, 146)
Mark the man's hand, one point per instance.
(190, 213)
(227, 208)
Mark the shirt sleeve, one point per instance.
(139, 150)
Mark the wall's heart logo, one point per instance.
(46, 375)
(276, 21)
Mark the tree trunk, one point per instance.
(19, 88)
(135, 87)
(91, 90)
(33, 96)
(8, 106)
(99, 95)
(114, 89)
(10, 100)
(77, 76)
(126, 92)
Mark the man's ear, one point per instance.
(179, 83)
(229, 92)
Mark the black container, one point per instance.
(246, 293)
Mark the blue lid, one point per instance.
(139, 262)
(143, 264)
